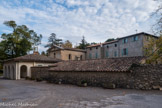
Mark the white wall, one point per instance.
(9, 70)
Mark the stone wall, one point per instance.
(39, 72)
(140, 77)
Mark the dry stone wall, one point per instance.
(139, 77)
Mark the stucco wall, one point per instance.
(135, 48)
(12, 70)
(93, 51)
(111, 50)
(9, 70)
(64, 54)
(74, 54)
(140, 77)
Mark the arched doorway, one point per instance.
(23, 71)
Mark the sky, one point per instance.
(97, 20)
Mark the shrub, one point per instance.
(109, 85)
(39, 79)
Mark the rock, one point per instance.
(160, 88)
(140, 86)
(156, 87)
(109, 85)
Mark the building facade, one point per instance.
(128, 46)
(66, 53)
(20, 67)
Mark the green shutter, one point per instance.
(126, 51)
(123, 41)
(107, 54)
(136, 38)
(122, 52)
(96, 55)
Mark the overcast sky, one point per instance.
(97, 20)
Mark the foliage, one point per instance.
(93, 43)
(43, 53)
(157, 27)
(67, 44)
(153, 50)
(83, 44)
(108, 40)
(52, 40)
(19, 42)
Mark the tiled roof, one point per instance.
(122, 64)
(94, 45)
(141, 33)
(110, 42)
(34, 58)
(75, 49)
(61, 48)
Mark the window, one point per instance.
(81, 57)
(96, 55)
(90, 56)
(125, 40)
(135, 38)
(147, 38)
(115, 45)
(125, 51)
(54, 55)
(107, 46)
(115, 54)
(96, 47)
(90, 48)
(69, 56)
(107, 54)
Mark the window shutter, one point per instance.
(122, 52)
(132, 39)
(126, 40)
(136, 38)
(126, 51)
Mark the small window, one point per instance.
(115, 54)
(135, 38)
(90, 48)
(115, 45)
(96, 55)
(125, 51)
(81, 57)
(107, 46)
(54, 55)
(90, 56)
(69, 56)
(96, 47)
(125, 40)
(107, 54)
(147, 38)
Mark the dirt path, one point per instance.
(44, 95)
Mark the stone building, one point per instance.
(128, 46)
(20, 67)
(66, 53)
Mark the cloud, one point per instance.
(97, 20)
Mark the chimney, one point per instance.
(35, 51)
